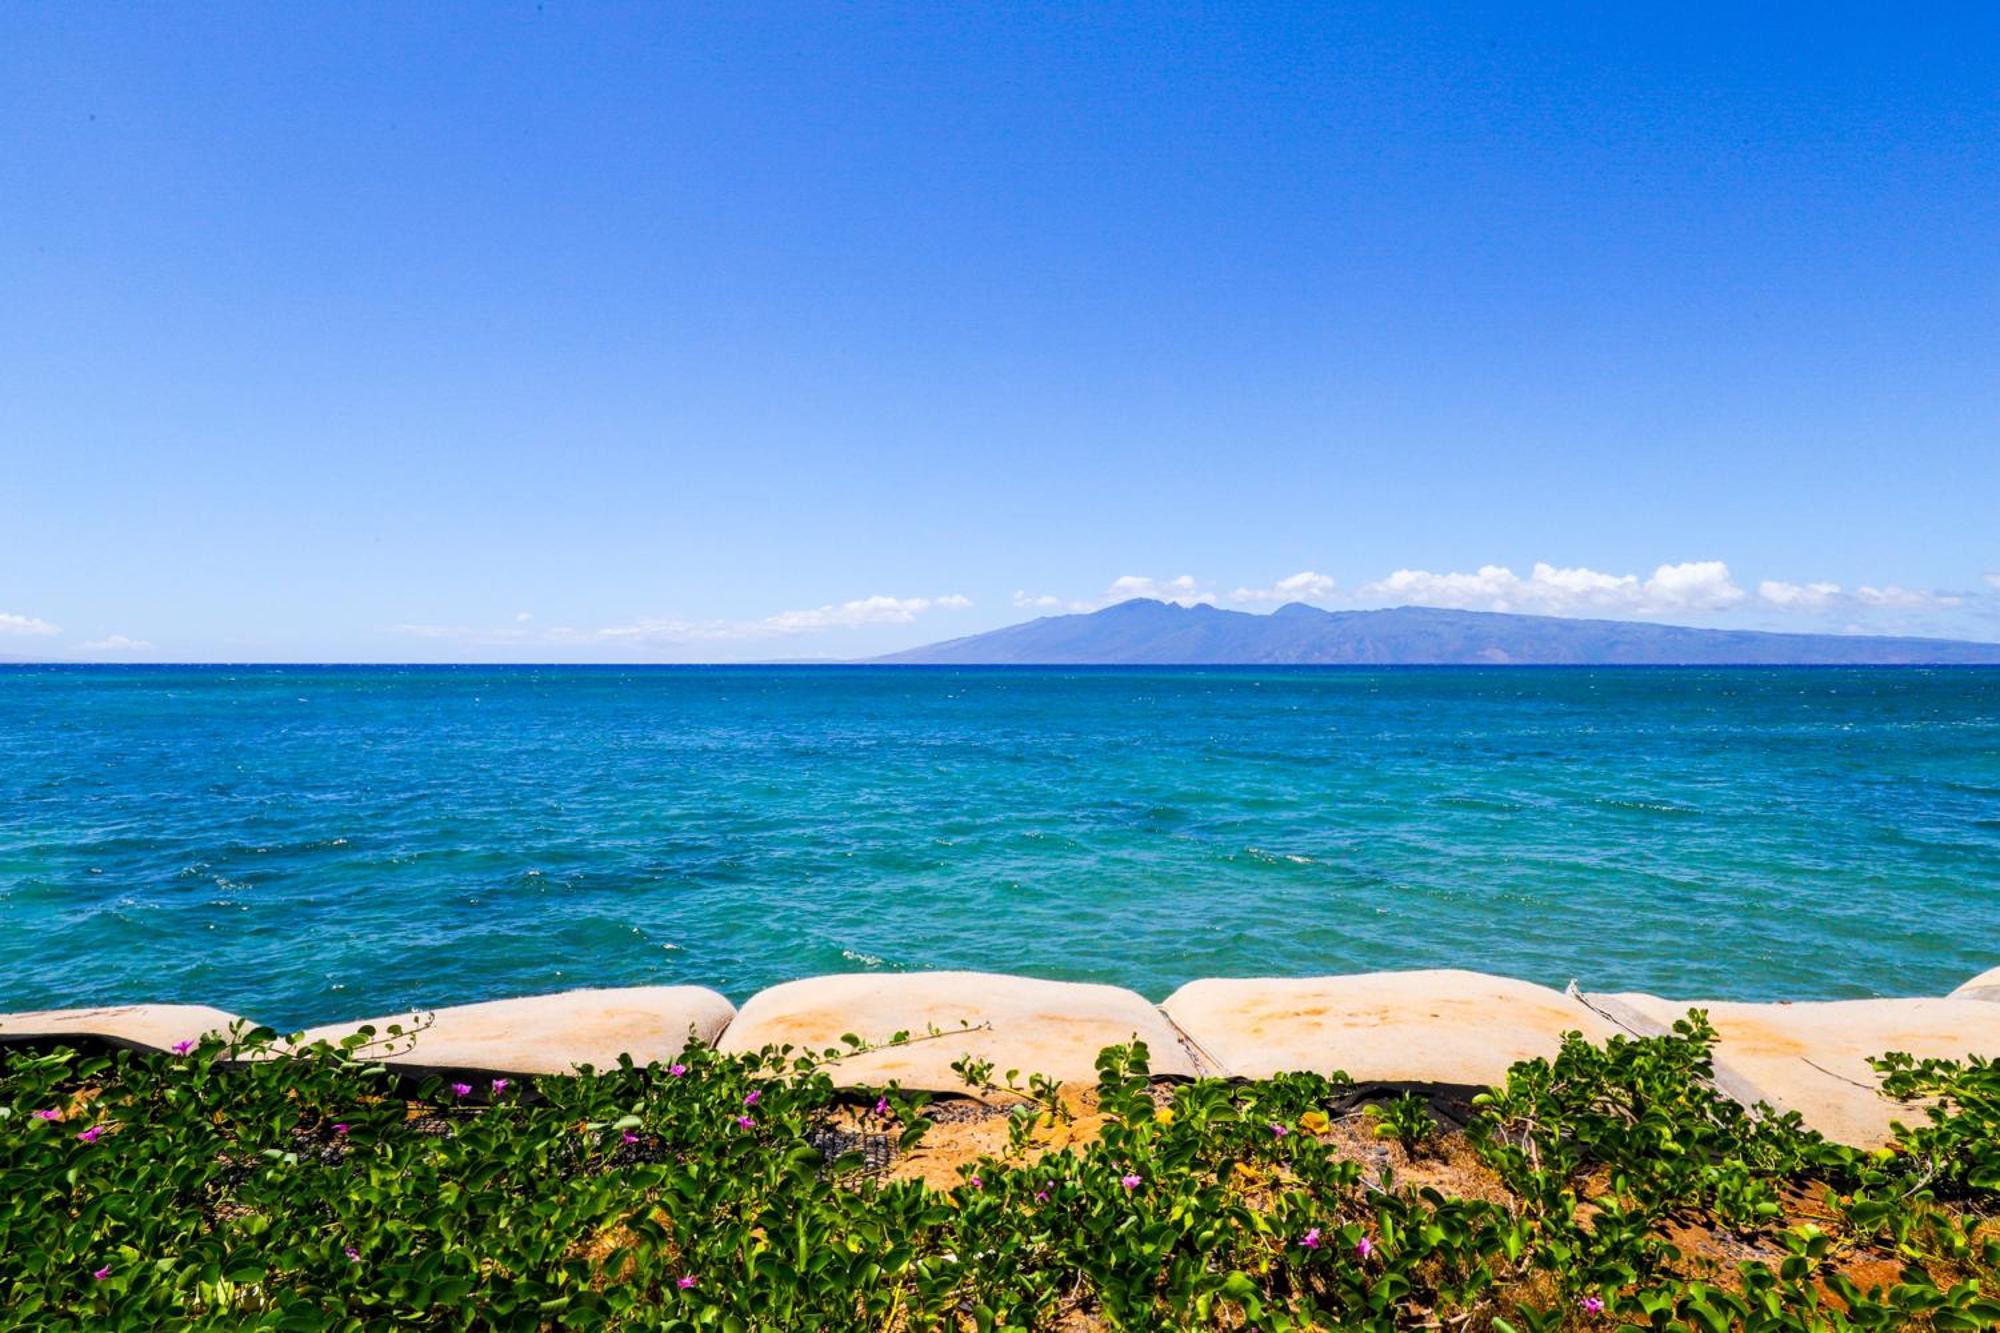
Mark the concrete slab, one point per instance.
(550, 1034)
(1446, 1026)
(1812, 1057)
(1054, 1028)
(1985, 986)
(139, 1027)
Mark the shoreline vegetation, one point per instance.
(230, 1184)
(1652, 1164)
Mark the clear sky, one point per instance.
(681, 332)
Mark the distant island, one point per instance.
(1143, 632)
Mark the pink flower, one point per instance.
(1311, 1239)
(90, 1135)
(1042, 1195)
(353, 1255)
(630, 1137)
(50, 1114)
(686, 1283)
(680, 1071)
(745, 1122)
(461, 1089)
(752, 1097)
(1363, 1248)
(341, 1129)
(102, 1273)
(882, 1107)
(1131, 1182)
(183, 1047)
(1592, 1305)
(1278, 1131)
(499, 1086)
(978, 1184)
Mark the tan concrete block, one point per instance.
(1812, 1057)
(550, 1034)
(145, 1027)
(1054, 1028)
(1985, 986)
(1418, 1027)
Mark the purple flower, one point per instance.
(1131, 1182)
(680, 1071)
(1363, 1248)
(882, 1107)
(630, 1137)
(978, 1184)
(499, 1086)
(461, 1089)
(1311, 1239)
(752, 1097)
(50, 1114)
(90, 1135)
(686, 1283)
(1278, 1131)
(353, 1255)
(1592, 1305)
(745, 1122)
(1042, 1195)
(341, 1129)
(183, 1047)
(102, 1273)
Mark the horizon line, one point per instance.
(872, 664)
(1163, 604)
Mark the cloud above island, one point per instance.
(1690, 588)
(1695, 585)
(1185, 590)
(1832, 597)
(1800, 596)
(1685, 592)
(1304, 586)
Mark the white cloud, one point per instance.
(114, 643)
(1185, 590)
(13, 624)
(1799, 596)
(853, 615)
(856, 614)
(1682, 589)
(1304, 586)
(523, 617)
(861, 612)
(1492, 588)
(446, 631)
(1903, 597)
(1696, 585)
(1830, 596)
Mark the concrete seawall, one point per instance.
(1432, 1027)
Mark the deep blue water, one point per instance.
(325, 843)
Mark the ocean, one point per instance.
(323, 843)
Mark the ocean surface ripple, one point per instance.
(316, 844)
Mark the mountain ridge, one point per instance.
(1145, 632)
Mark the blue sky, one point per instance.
(372, 332)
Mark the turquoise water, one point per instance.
(318, 844)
